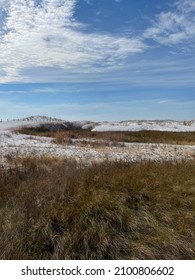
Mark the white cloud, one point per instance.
(174, 27)
(41, 43)
(2, 3)
(48, 36)
(186, 6)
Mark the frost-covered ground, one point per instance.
(147, 125)
(167, 125)
(13, 144)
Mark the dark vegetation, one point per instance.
(65, 136)
(56, 209)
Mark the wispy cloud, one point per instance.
(42, 41)
(163, 101)
(174, 27)
(48, 36)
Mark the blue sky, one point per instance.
(97, 59)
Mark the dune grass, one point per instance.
(64, 137)
(56, 209)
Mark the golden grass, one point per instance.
(55, 209)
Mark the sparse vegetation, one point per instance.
(52, 208)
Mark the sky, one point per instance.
(101, 60)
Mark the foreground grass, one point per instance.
(64, 137)
(55, 209)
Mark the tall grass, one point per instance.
(55, 209)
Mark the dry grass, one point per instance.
(55, 209)
(64, 137)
